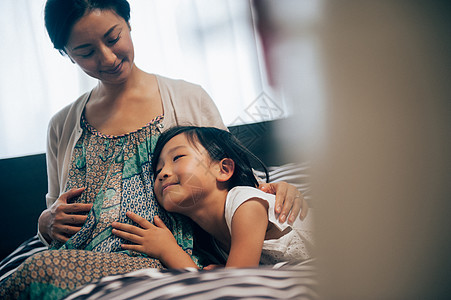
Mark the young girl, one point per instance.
(205, 174)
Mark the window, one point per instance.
(209, 42)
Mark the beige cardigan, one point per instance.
(183, 104)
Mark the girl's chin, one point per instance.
(177, 205)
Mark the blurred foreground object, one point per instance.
(381, 148)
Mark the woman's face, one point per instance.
(100, 43)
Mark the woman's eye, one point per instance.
(87, 54)
(114, 41)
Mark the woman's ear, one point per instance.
(226, 169)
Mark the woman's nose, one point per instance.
(107, 57)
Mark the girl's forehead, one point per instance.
(179, 139)
(182, 141)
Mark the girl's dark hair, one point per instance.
(219, 144)
(61, 15)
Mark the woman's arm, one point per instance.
(60, 220)
(249, 224)
(154, 240)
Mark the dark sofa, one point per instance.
(24, 185)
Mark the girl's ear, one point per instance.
(226, 169)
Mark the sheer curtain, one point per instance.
(209, 42)
(35, 80)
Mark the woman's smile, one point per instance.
(115, 70)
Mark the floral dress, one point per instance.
(117, 174)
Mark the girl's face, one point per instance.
(184, 175)
(100, 43)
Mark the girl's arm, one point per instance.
(249, 224)
(154, 240)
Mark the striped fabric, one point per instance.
(286, 282)
(25, 250)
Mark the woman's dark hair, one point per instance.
(61, 15)
(219, 144)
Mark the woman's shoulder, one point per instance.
(71, 111)
(177, 85)
(187, 103)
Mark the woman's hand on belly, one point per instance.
(62, 220)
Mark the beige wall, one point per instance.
(382, 168)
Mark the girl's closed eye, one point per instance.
(177, 157)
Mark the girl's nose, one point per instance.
(164, 173)
(161, 177)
